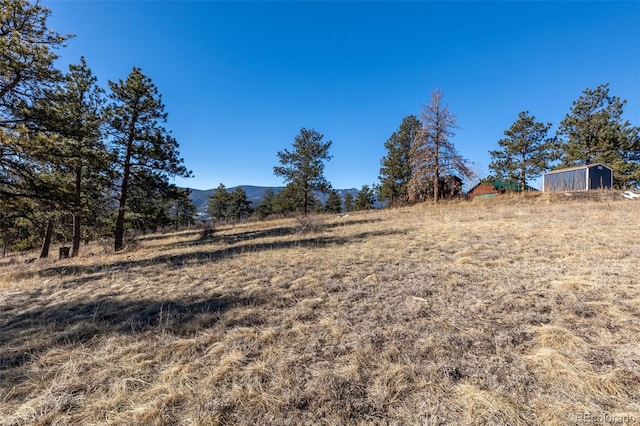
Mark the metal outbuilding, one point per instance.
(581, 178)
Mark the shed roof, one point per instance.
(586, 166)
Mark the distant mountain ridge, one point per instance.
(200, 197)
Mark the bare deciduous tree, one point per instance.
(433, 154)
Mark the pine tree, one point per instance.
(365, 199)
(21, 224)
(240, 206)
(333, 203)
(304, 165)
(149, 202)
(27, 77)
(72, 112)
(26, 58)
(219, 205)
(27, 72)
(595, 132)
(265, 208)
(395, 170)
(433, 154)
(135, 117)
(289, 200)
(348, 202)
(526, 151)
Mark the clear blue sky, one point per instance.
(239, 79)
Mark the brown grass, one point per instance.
(517, 311)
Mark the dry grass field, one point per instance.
(519, 311)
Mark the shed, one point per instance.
(489, 189)
(581, 178)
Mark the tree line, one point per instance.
(421, 157)
(422, 162)
(232, 206)
(302, 168)
(76, 160)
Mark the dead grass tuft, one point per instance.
(313, 223)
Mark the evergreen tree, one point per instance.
(266, 206)
(333, 203)
(365, 199)
(526, 151)
(395, 170)
(348, 202)
(433, 154)
(72, 113)
(26, 58)
(135, 117)
(240, 206)
(31, 159)
(27, 72)
(289, 200)
(219, 206)
(149, 202)
(595, 132)
(20, 227)
(304, 165)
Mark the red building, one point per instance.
(489, 189)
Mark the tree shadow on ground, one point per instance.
(83, 273)
(213, 237)
(166, 236)
(79, 322)
(24, 336)
(228, 237)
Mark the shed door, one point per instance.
(599, 177)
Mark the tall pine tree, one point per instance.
(303, 167)
(75, 147)
(27, 72)
(135, 117)
(526, 151)
(595, 132)
(395, 170)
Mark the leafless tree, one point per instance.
(433, 154)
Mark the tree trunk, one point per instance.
(436, 174)
(523, 176)
(77, 215)
(75, 245)
(119, 232)
(47, 240)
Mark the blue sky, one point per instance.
(239, 79)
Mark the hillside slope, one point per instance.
(517, 311)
